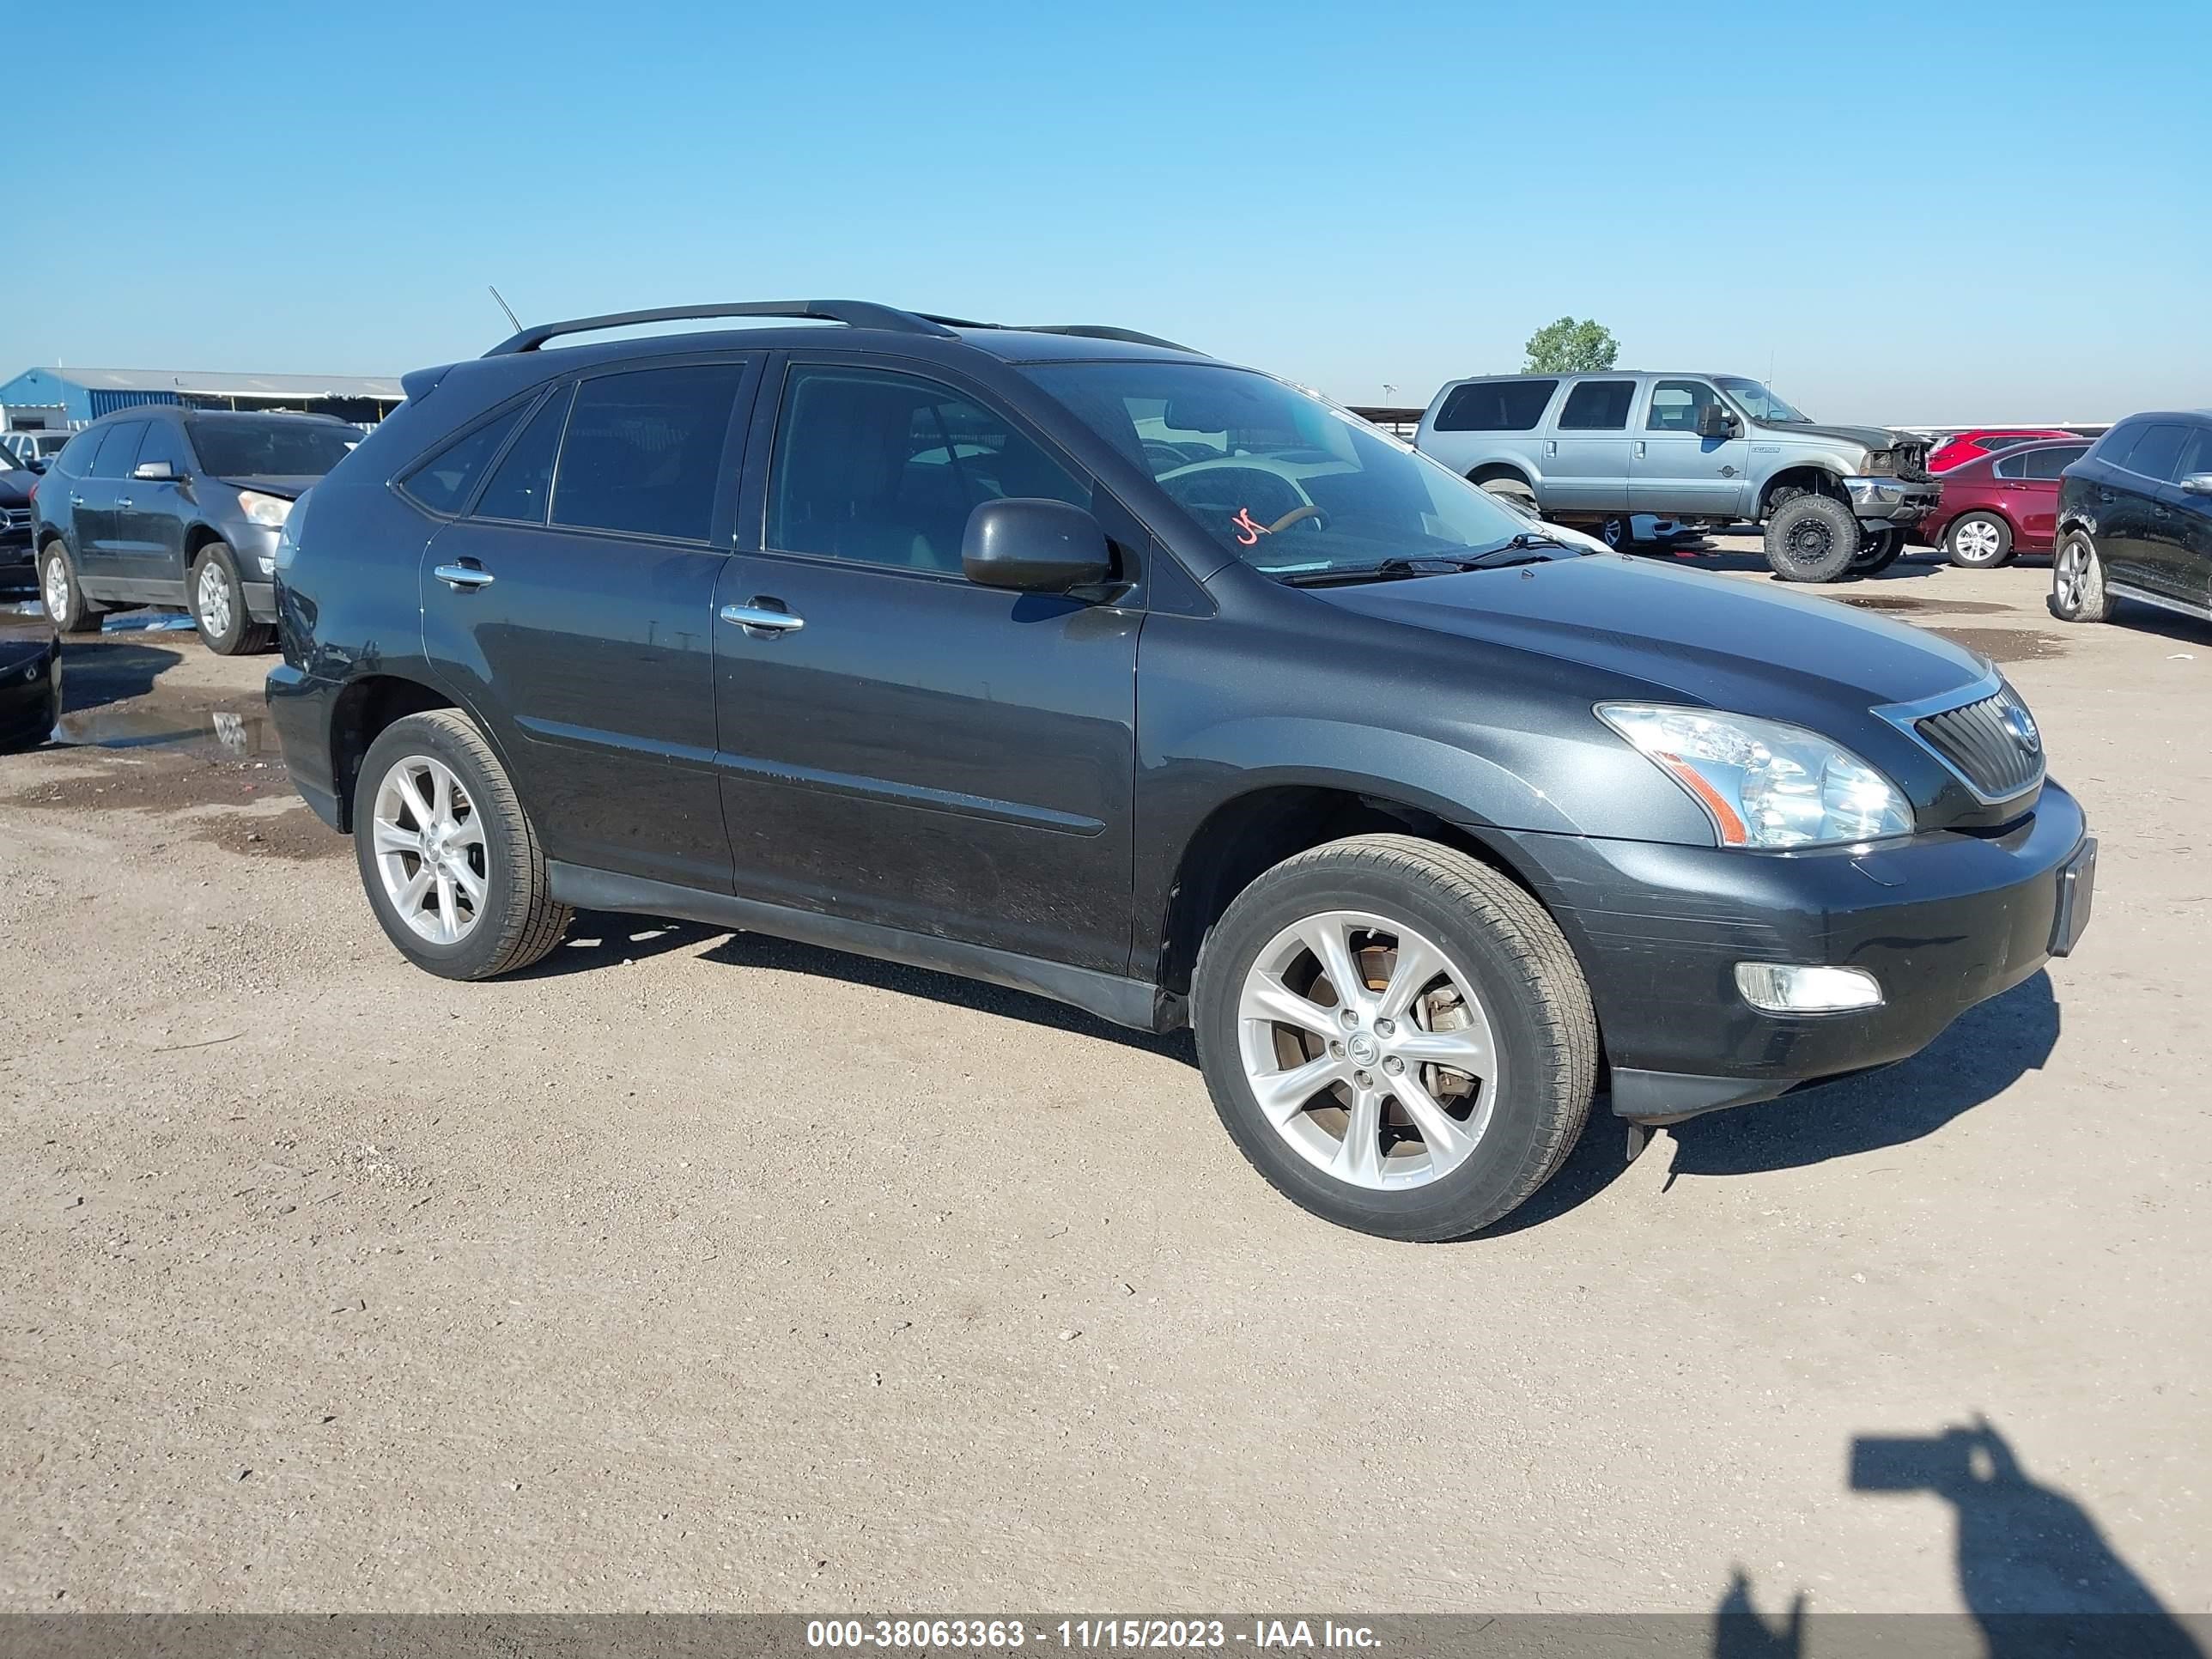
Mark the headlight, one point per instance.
(288, 542)
(1764, 784)
(270, 511)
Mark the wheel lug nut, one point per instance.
(1394, 1064)
(1335, 1049)
(1385, 1027)
(1364, 1080)
(1350, 1017)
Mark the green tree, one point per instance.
(1568, 347)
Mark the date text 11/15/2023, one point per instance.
(1085, 1635)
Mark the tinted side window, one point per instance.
(643, 452)
(523, 484)
(2010, 466)
(2113, 448)
(1598, 406)
(119, 451)
(885, 469)
(2050, 462)
(1675, 405)
(2196, 457)
(163, 442)
(1513, 405)
(76, 454)
(2156, 453)
(444, 482)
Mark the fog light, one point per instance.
(269, 566)
(1780, 988)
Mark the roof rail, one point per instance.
(1084, 330)
(857, 313)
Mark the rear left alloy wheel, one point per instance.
(59, 592)
(450, 861)
(1978, 541)
(1396, 1035)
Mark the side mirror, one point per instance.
(2198, 484)
(154, 472)
(1034, 546)
(1714, 421)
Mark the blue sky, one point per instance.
(1945, 212)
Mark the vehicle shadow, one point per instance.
(102, 671)
(1990, 1048)
(1915, 563)
(603, 939)
(759, 951)
(2037, 1573)
(2138, 618)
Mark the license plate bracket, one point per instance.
(2077, 883)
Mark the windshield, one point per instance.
(1291, 485)
(247, 447)
(1756, 401)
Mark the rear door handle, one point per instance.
(763, 613)
(76, 501)
(1639, 449)
(459, 576)
(123, 501)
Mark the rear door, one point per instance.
(2179, 551)
(572, 601)
(94, 501)
(1586, 454)
(1674, 472)
(910, 749)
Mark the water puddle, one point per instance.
(2006, 644)
(119, 621)
(1901, 602)
(221, 734)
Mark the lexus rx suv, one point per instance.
(1074, 660)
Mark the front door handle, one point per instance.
(460, 576)
(1639, 449)
(765, 615)
(76, 501)
(123, 501)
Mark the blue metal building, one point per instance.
(71, 397)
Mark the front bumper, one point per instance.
(30, 701)
(1944, 920)
(1891, 499)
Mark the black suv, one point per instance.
(1076, 661)
(2134, 520)
(165, 506)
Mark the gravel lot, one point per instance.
(696, 1271)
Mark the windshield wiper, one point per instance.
(1518, 549)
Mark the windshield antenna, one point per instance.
(506, 308)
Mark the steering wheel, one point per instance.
(1164, 457)
(1298, 515)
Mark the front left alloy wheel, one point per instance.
(219, 605)
(1396, 1035)
(450, 861)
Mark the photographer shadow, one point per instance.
(2037, 1573)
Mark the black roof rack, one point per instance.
(858, 313)
(1082, 331)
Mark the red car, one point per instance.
(1962, 447)
(1996, 505)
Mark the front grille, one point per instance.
(1993, 744)
(14, 518)
(1907, 461)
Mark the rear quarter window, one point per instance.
(1515, 405)
(445, 482)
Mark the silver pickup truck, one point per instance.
(1597, 448)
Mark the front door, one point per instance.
(150, 513)
(908, 749)
(574, 603)
(1586, 454)
(1674, 472)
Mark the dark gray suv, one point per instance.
(1076, 661)
(164, 506)
(2134, 520)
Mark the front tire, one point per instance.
(2078, 593)
(1978, 541)
(63, 595)
(450, 861)
(1451, 1080)
(1811, 539)
(219, 605)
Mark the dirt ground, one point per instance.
(698, 1271)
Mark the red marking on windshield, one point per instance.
(1248, 532)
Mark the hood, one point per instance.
(1873, 437)
(1686, 635)
(23, 638)
(291, 486)
(15, 486)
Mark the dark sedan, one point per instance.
(2001, 505)
(30, 681)
(164, 506)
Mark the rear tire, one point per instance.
(1617, 531)
(62, 594)
(1499, 985)
(2078, 593)
(479, 838)
(1515, 492)
(218, 600)
(1811, 539)
(1978, 541)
